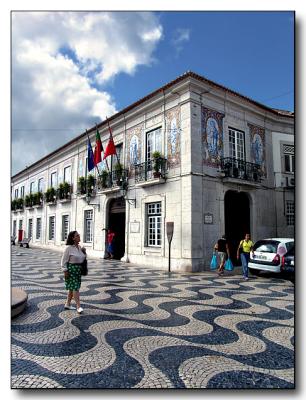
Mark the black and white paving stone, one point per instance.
(144, 328)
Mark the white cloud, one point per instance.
(60, 62)
(180, 36)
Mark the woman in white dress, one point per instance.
(71, 262)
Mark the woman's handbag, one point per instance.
(214, 262)
(228, 265)
(84, 269)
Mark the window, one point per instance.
(114, 159)
(40, 184)
(88, 224)
(31, 187)
(38, 228)
(288, 158)
(22, 191)
(290, 212)
(14, 227)
(236, 144)
(16, 193)
(20, 224)
(154, 224)
(51, 228)
(65, 226)
(30, 228)
(153, 143)
(53, 182)
(67, 174)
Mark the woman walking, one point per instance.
(245, 247)
(71, 262)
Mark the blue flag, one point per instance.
(90, 157)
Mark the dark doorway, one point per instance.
(237, 219)
(116, 222)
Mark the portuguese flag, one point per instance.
(98, 149)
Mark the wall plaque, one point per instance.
(134, 227)
(208, 218)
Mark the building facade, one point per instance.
(193, 153)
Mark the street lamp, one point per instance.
(123, 192)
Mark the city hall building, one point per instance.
(193, 152)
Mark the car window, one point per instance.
(289, 246)
(266, 246)
(291, 251)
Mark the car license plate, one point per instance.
(260, 257)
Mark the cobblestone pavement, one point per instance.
(143, 328)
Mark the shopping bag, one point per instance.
(228, 265)
(214, 262)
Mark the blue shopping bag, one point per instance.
(228, 265)
(214, 262)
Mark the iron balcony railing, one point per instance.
(151, 169)
(108, 180)
(240, 169)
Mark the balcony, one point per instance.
(236, 170)
(151, 172)
(63, 193)
(112, 181)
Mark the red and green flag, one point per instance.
(98, 149)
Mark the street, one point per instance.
(145, 328)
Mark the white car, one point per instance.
(267, 254)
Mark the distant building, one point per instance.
(226, 166)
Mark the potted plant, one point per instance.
(19, 203)
(104, 177)
(82, 185)
(50, 195)
(28, 200)
(14, 205)
(118, 171)
(90, 183)
(66, 189)
(156, 164)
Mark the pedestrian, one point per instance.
(222, 249)
(244, 249)
(71, 262)
(110, 243)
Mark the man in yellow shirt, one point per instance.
(245, 247)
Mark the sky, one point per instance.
(71, 70)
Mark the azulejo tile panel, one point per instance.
(212, 136)
(173, 129)
(258, 147)
(145, 328)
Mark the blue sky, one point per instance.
(70, 70)
(250, 52)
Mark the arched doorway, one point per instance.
(237, 219)
(116, 222)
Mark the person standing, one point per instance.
(110, 243)
(71, 262)
(223, 253)
(245, 247)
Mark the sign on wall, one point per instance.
(208, 218)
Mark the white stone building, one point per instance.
(223, 169)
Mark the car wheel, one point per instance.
(254, 271)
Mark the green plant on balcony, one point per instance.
(103, 178)
(50, 195)
(90, 184)
(82, 185)
(14, 205)
(19, 203)
(118, 173)
(157, 164)
(29, 200)
(37, 199)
